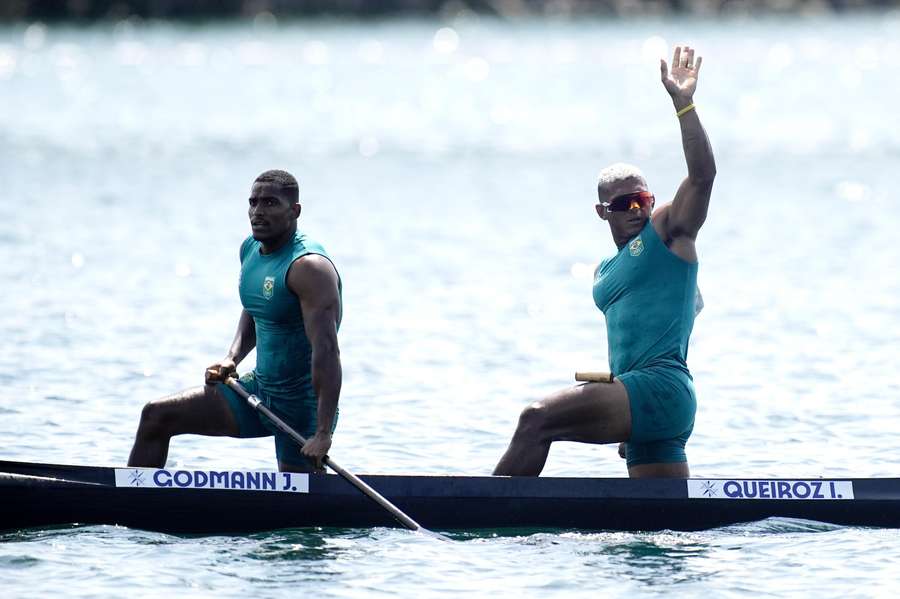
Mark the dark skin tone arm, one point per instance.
(679, 222)
(314, 281)
(244, 342)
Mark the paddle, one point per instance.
(348, 476)
(594, 377)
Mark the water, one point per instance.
(451, 175)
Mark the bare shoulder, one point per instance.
(311, 273)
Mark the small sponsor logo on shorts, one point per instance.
(770, 489)
(268, 287)
(232, 480)
(636, 246)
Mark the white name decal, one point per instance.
(770, 489)
(233, 480)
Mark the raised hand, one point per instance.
(681, 82)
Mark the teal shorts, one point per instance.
(299, 412)
(663, 405)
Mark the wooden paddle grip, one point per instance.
(594, 377)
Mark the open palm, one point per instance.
(681, 81)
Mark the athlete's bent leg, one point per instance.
(200, 411)
(590, 413)
(660, 470)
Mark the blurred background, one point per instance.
(204, 9)
(447, 154)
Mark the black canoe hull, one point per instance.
(34, 495)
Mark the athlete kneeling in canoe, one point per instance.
(648, 293)
(291, 294)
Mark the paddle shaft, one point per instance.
(594, 377)
(348, 476)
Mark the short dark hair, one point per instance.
(283, 180)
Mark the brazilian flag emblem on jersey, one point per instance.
(268, 287)
(636, 247)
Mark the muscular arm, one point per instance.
(244, 341)
(244, 338)
(688, 210)
(313, 279)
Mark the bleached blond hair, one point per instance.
(619, 171)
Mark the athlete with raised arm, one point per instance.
(648, 293)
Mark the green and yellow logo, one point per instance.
(636, 247)
(268, 287)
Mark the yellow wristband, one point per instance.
(684, 110)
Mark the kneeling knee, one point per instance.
(155, 420)
(532, 420)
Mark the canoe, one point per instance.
(199, 501)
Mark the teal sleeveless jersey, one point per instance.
(648, 296)
(283, 351)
